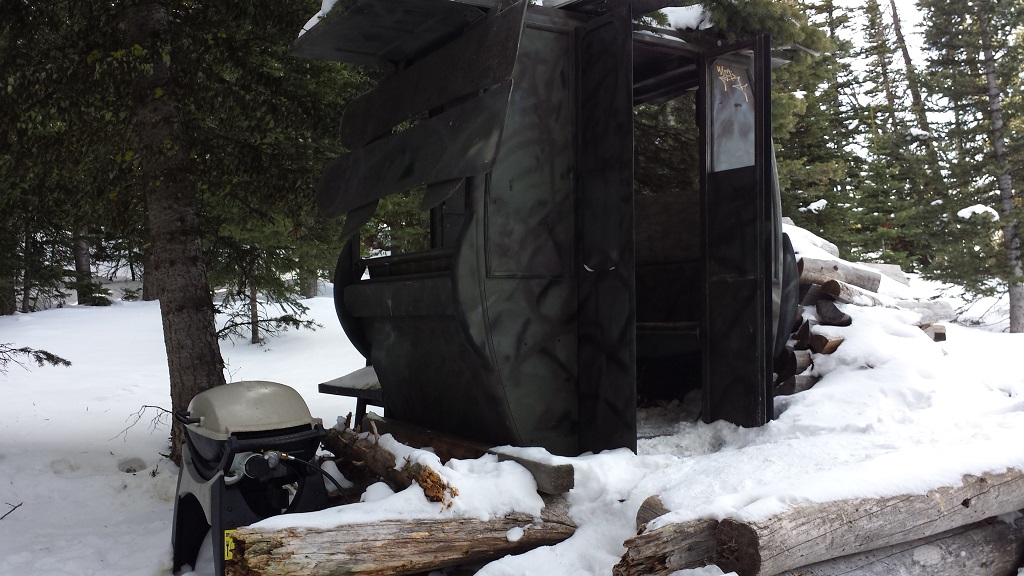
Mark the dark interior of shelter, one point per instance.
(565, 269)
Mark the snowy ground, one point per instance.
(894, 413)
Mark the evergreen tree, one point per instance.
(815, 160)
(975, 65)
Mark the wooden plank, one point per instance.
(991, 547)
(814, 271)
(482, 57)
(395, 547)
(814, 532)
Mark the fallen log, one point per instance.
(814, 271)
(992, 547)
(850, 294)
(815, 532)
(394, 547)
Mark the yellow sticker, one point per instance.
(229, 545)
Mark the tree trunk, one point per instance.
(26, 275)
(83, 267)
(149, 287)
(254, 316)
(1004, 180)
(186, 306)
(8, 296)
(883, 66)
(915, 95)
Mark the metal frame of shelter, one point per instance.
(539, 304)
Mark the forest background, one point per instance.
(177, 143)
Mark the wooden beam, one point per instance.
(394, 547)
(815, 532)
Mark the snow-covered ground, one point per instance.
(893, 413)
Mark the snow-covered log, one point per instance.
(551, 478)
(812, 533)
(816, 532)
(850, 294)
(395, 547)
(992, 547)
(814, 271)
(892, 271)
(367, 451)
(931, 311)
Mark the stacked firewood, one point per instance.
(823, 285)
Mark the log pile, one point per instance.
(407, 546)
(851, 537)
(823, 285)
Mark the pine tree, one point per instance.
(815, 162)
(975, 66)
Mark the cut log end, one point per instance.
(737, 548)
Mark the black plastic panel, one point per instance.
(375, 31)
(530, 194)
(455, 144)
(483, 57)
(607, 336)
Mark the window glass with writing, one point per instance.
(732, 115)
